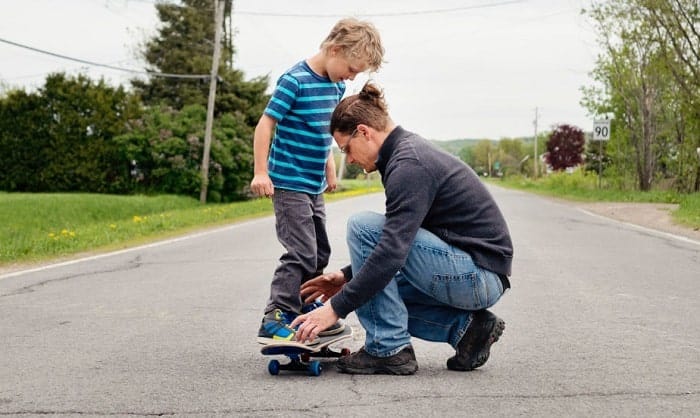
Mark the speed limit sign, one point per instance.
(601, 130)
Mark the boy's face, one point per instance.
(341, 68)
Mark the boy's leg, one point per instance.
(323, 246)
(323, 253)
(297, 234)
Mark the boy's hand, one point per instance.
(332, 184)
(262, 185)
(331, 177)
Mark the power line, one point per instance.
(112, 67)
(394, 14)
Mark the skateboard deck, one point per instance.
(300, 354)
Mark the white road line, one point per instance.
(127, 250)
(643, 229)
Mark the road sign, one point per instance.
(601, 130)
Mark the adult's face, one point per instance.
(359, 147)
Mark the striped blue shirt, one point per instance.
(302, 105)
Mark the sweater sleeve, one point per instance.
(410, 191)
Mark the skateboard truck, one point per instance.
(302, 362)
(300, 355)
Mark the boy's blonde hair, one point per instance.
(358, 40)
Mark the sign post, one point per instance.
(601, 132)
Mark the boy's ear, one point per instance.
(335, 50)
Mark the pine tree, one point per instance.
(184, 45)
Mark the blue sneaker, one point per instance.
(275, 329)
(334, 329)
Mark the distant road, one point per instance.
(603, 320)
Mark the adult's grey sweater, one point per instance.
(427, 188)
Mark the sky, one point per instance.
(454, 68)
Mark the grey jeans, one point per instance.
(300, 220)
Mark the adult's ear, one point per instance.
(364, 130)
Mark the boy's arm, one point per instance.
(331, 177)
(261, 185)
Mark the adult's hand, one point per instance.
(312, 323)
(323, 286)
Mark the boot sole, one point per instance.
(404, 370)
(494, 336)
(483, 356)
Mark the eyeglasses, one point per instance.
(344, 149)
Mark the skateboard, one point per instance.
(300, 354)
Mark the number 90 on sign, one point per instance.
(601, 130)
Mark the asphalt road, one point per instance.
(603, 320)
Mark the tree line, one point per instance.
(646, 80)
(76, 134)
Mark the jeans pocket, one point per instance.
(464, 291)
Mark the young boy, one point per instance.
(299, 166)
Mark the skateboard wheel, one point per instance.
(345, 352)
(315, 368)
(273, 367)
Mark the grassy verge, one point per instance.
(38, 227)
(689, 211)
(584, 188)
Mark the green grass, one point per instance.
(689, 211)
(38, 227)
(584, 188)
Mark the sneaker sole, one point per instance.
(497, 329)
(334, 331)
(267, 341)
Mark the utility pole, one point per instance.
(535, 161)
(218, 23)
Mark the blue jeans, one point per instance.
(431, 297)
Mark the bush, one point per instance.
(167, 146)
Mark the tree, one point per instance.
(676, 26)
(61, 138)
(510, 153)
(596, 157)
(565, 147)
(633, 76)
(184, 46)
(482, 154)
(166, 145)
(649, 81)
